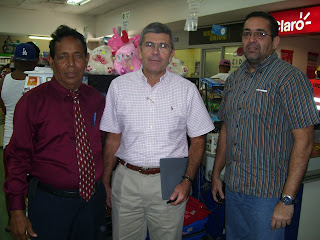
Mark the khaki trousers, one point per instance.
(137, 205)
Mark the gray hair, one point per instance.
(157, 27)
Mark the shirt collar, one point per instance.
(165, 77)
(62, 90)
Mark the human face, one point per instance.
(69, 62)
(258, 49)
(155, 61)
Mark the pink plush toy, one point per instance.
(125, 51)
(127, 59)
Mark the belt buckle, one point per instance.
(143, 168)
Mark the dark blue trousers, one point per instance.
(57, 218)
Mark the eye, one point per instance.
(261, 34)
(164, 46)
(119, 58)
(246, 33)
(149, 44)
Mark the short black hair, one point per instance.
(65, 31)
(157, 27)
(36, 48)
(274, 26)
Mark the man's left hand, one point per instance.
(282, 215)
(181, 192)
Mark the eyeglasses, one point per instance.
(257, 35)
(162, 47)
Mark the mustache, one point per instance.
(253, 45)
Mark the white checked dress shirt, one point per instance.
(154, 121)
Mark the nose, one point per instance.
(156, 49)
(71, 61)
(252, 37)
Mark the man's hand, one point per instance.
(108, 192)
(20, 225)
(282, 215)
(181, 192)
(216, 187)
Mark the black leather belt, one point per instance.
(59, 192)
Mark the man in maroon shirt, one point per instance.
(43, 147)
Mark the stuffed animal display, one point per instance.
(125, 51)
(177, 66)
(101, 61)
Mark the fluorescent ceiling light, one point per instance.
(40, 37)
(77, 2)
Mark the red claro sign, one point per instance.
(298, 21)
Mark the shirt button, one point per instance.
(235, 144)
(237, 126)
(239, 108)
(150, 126)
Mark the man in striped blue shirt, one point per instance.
(268, 115)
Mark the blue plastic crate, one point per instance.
(195, 227)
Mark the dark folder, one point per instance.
(171, 171)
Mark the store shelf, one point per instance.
(5, 59)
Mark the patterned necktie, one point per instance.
(84, 152)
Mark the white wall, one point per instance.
(301, 47)
(167, 11)
(26, 22)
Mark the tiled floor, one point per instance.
(3, 211)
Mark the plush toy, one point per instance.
(177, 66)
(127, 59)
(125, 51)
(101, 61)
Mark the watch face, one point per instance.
(287, 200)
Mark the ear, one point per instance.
(87, 58)
(50, 60)
(275, 42)
(171, 55)
(140, 52)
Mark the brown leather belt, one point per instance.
(142, 170)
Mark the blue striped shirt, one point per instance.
(260, 110)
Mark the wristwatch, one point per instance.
(286, 199)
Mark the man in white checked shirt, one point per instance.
(148, 115)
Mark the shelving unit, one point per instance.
(5, 59)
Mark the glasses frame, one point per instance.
(255, 35)
(153, 45)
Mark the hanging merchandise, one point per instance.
(192, 19)
(9, 45)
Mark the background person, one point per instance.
(11, 87)
(266, 137)
(45, 145)
(148, 115)
(224, 68)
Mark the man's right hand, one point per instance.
(216, 187)
(20, 225)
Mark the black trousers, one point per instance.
(58, 218)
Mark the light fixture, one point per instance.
(77, 2)
(41, 37)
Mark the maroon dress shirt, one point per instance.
(43, 140)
